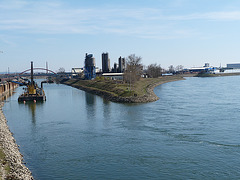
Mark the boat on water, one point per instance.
(32, 91)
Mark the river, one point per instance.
(192, 132)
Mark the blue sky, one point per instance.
(166, 32)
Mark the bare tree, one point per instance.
(179, 68)
(154, 70)
(61, 70)
(134, 69)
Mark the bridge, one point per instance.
(48, 73)
(48, 70)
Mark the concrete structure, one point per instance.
(115, 68)
(105, 63)
(121, 65)
(233, 66)
(7, 87)
(90, 69)
(114, 76)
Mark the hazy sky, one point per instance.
(167, 32)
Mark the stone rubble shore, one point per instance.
(13, 157)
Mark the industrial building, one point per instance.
(114, 76)
(105, 63)
(205, 68)
(90, 69)
(76, 71)
(121, 65)
(233, 66)
(115, 68)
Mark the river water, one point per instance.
(192, 132)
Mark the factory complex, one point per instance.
(90, 70)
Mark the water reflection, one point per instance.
(6, 96)
(32, 109)
(90, 105)
(106, 109)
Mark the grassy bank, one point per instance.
(5, 167)
(141, 91)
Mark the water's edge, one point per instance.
(12, 154)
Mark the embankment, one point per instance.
(11, 160)
(140, 92)
(6, 87)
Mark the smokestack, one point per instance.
(46, 67)
(31, 72)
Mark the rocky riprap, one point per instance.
(12, 158)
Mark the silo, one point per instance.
(115, 67)
(121, 66)
(105, 63)
(90, 69)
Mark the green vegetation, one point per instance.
(205, 75)
(120, 88)
(4, 163)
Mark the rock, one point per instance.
(13, 157)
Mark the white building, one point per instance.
(77, 71)
(233, 66)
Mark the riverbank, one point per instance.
(117, 91)
(11, 160)
(217, 75)
(6, 87)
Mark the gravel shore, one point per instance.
(11, 162)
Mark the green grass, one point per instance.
(119, 88)
(4, 162)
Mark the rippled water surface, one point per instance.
(192, 132)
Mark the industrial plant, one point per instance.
(90, 71)
(90, 67)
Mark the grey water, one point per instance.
(192, 132)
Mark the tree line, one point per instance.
(135, 68)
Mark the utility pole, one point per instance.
(46, 67)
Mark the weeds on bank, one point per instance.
(4, 162)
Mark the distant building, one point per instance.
(206, 65)
(98, 70)
(105, 63)
(121, 65)
(114, 76)
(115, 68)
(233, 66)
(205, 68)
(77, 71)
(90, 69)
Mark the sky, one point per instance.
(166, 32)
